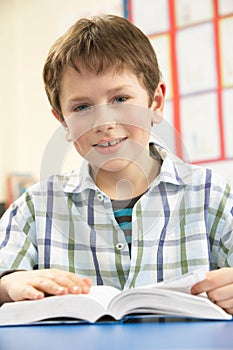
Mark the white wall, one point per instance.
(28, 28)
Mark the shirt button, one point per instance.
(100, 197)
(120, 246)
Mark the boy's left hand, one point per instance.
(218, 285)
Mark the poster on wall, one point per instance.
(193, 41)
(150, 16)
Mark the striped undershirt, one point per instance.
(123, 214)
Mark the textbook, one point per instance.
(171, 298)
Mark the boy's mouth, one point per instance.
(110, 143)
(110, 146)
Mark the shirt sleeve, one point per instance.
(221, 224)
(17, 236)
(8, 272)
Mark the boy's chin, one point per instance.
(112, 166)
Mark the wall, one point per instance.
(28, 29)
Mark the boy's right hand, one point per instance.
(23, 285)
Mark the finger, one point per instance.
(48, 286)
(226, 304)
(214, 279)
(75, 284)
(27, 293)
(200, 287)
(72, 282)
(85, 285)
(77, 280)
(229, 310)
(223, 293)
(88, 281)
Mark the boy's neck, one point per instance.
(128, 183)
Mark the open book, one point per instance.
(170, 298)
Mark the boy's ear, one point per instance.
(57, 116)
(158, 103)
(62, 121)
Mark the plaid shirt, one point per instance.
(183, 222)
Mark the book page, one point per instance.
(87, 307)
(169, 298)
(103, 294)
(182, 282)
(166, 302)
(185, 281)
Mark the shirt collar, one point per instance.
(80, 180)
(173, 170)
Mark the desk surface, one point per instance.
(217, 335)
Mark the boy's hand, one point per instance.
(22, 285)
(219, 287)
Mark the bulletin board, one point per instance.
(193, 40)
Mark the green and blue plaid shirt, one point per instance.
(183, 222)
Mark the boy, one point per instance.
(132, 215)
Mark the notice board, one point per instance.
(194, 45)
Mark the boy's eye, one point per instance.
(82, 108)
(120, 99)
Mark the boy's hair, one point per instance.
(97, 44)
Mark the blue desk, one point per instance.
(135, 336)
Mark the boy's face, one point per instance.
(108, 116)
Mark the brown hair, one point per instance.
(97, 44)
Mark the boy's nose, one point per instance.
(104, 127)
(104, 119)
